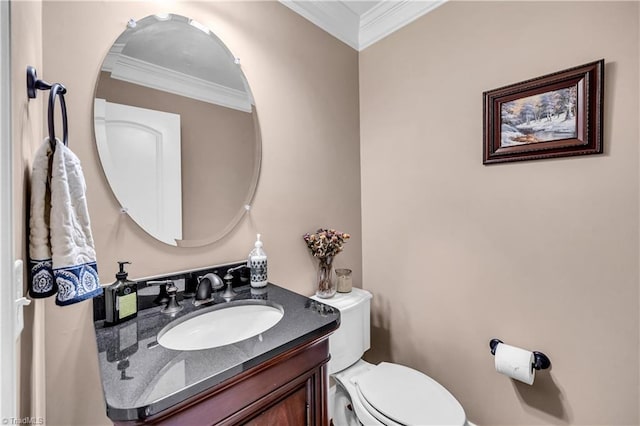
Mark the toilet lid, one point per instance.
(409, 397)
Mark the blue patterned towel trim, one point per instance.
(77, 283)
(42, 283)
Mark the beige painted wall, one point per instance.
(541, 254)
(306, 93)
(27, 118)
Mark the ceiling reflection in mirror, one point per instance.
(177, 130)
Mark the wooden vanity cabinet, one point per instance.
(289, 389)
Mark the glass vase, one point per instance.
(326, 283)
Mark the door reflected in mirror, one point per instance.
(177, 131)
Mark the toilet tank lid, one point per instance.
(345, 301)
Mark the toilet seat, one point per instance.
(374, 412)
(343, 378)
(408, 397)
(395, 395)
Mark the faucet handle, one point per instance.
(169, 283)
(230, 270)
(228, 279)
(172, 289)
(163, 296)
(172, 305)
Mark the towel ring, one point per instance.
(57, 91)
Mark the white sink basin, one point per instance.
(219, 325)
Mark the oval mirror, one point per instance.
(177, 130)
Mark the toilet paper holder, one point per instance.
(541, 361)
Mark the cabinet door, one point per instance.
(289, 390)
(293, 410)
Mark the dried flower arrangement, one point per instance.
(325, 242)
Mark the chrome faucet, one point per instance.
(207, 284)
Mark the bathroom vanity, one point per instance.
(276, 377)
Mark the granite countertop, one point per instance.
(140, 378)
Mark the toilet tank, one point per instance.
(352, 338)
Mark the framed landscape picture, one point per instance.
(555, 115)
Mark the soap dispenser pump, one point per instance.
(121, 298)
(257, 263)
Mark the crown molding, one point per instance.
(149, 75)
(389, 16)
(332, 16)
(112, 56)
(360, 32)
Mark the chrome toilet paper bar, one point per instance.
(541, 361)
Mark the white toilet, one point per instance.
(384, 394)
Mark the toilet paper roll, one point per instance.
(515, 362)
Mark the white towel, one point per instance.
(61, 249)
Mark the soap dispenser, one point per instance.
(121, 298)
(257, 264)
